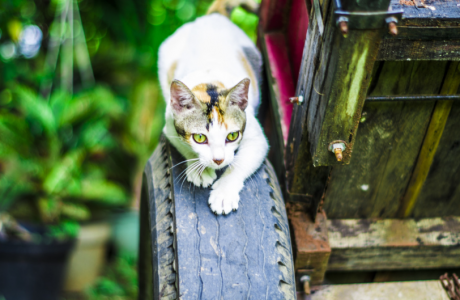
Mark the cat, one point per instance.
(208, 71)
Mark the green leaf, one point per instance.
(61, 173)
(12, 185)
(36, 108)
(104, 192)
(75, 211)
(15, 136)
(49, 209)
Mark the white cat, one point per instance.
(207, 71)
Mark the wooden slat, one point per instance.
(394, 244)
(444, 11)
(424, 34)
(398, 49)
(389, 140)
(339, 85)
(430, 144)
(312, 248)
(420, 290)
(440, 195)
(305, 183)
(444, 31)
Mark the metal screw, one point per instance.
(337, 148)
(305, 279)
(342, 22)
(391, 21)
(298, 100)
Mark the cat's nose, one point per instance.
(218, 161)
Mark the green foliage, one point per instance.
(46, 152)
(246, 21)
(119, 281)
(65, 229)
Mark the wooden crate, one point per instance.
(394, 200)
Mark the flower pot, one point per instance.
(88, 257)
(30, 271)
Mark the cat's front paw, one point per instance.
(224, 197)
(205, 179)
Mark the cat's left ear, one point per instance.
(238, 95)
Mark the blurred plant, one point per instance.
(142, 128)
(119, 281)
(48, 151)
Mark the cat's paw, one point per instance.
(206, 178)
(224, 197)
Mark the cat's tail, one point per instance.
(225, 7)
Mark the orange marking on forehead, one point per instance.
(200, 92)
(218, 113)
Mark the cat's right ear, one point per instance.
(182, 99)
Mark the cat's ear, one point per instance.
(182, 99)
(238, 95)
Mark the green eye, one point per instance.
(232, 136)
(200, 138)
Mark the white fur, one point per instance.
(209, 50)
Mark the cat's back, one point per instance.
(212, 43)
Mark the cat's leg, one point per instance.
(251, 153)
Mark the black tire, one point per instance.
(188, 251)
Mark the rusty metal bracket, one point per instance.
(365, 19)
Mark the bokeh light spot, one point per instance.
(5, 97)
(30, 41)
(28, 9)
(186, 12)
(8, 50)
(174, 4)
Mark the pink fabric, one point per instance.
(278, 58)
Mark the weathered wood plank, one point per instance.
(424, 33)
(440, 195)
(335, 108)
(398, 49)
(390, 136)
(443, 10)
(431, 141)
(305, 183)
(444, 32)
(420, 290)
(312, 248)
(394, 244)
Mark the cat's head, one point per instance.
(211, 119)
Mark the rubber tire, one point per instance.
(198, 255)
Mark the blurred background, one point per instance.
(80, 113)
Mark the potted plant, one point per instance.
(49, 156)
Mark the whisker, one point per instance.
(192, 159)
(196, 165)
(184, 172)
